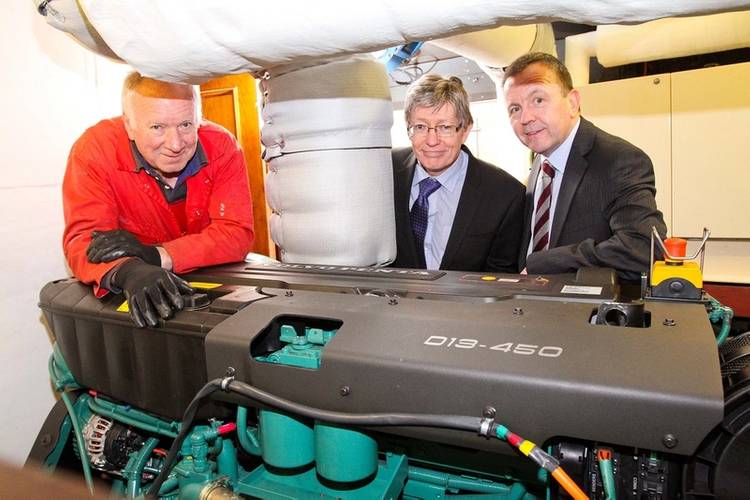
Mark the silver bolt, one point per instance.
(669, 441)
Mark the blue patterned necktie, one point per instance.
(420, 210)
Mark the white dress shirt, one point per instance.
(558, 159)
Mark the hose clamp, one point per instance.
(228, 378)
(485, 426)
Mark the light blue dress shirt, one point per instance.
(443, 206)
(558, 158)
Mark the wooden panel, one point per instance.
(231, 102)
(219, 105)
(638, 110)
(711, 131)
(735, 296)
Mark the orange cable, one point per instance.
(568, 484)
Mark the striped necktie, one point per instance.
(542, 213)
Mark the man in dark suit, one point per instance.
(590, 196)
(453, 211)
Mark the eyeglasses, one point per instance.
(421, 130)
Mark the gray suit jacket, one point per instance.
(605, 209)
(486, 231)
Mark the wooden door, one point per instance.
(231, 102)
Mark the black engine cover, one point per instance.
(411, 341)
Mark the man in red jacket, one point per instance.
(152, 192)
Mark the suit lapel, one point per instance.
(402, 189)
(468, 205)
(575, 169)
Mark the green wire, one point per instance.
(62, 379)
(608, 479)
(721, 313)
(134, 417)
(79, 440)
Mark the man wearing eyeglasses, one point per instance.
(453, 211)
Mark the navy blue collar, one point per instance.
(197, 162)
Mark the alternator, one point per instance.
(94, 435)
(109, 444)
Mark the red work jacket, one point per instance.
(102, 191)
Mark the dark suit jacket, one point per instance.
(605, 209)
(486, 230)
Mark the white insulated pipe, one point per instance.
(660, 39)
(193, 40)
(498, 47)
(579, 49)
(677, 37)
(327, 137)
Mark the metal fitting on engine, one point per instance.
(218, 490)
(485, 426)
(228, 378)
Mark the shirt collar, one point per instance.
(559, 157)
(198, 161)
(450, 177)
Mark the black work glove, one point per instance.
(107, 246)
(152, 292)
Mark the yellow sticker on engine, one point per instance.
(124, 308)
(204, 285)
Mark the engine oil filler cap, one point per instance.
(196, 301)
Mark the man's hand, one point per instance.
(152, 292)
(107, 246)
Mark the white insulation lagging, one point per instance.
(327, 133)
(661, 39)
(239, 36)
(498, 47)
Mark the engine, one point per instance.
(304, 381)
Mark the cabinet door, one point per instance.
(637, 109)
(710, 145)
(230, 101)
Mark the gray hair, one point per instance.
(433, 91)
(149, 87)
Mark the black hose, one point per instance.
(461, 422)
(185, 425)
